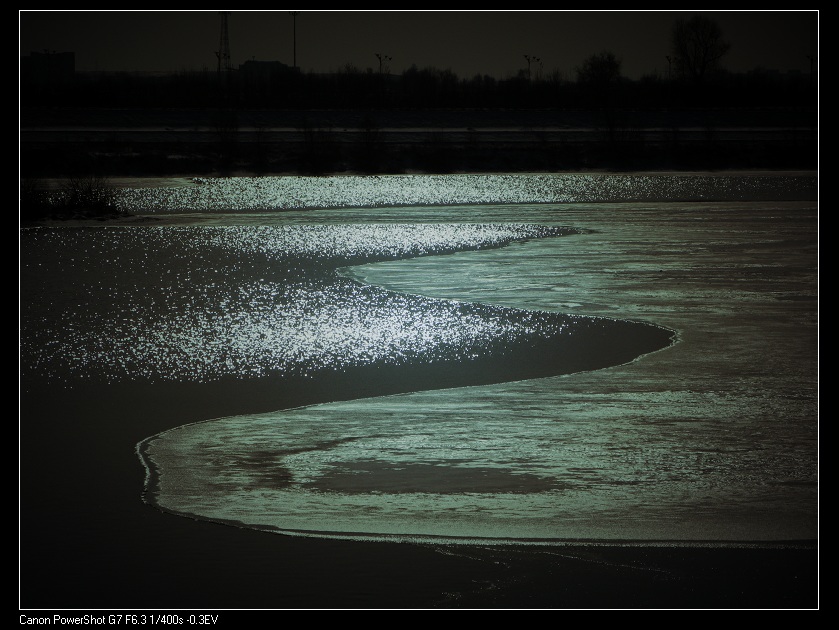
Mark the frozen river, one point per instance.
(691, 418)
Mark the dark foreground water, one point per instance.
(624, 372)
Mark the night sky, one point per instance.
(467, 42)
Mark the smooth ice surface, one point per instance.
(528, 460)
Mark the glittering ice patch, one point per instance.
(201, 303)
(260, 194)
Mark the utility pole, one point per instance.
(223, 52)
(383, 59)
(294, 35)
(226, 120)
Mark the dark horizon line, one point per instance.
(547, 76)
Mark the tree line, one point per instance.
(695, 77)
(418, 88)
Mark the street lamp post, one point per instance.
(294, 35)
(382, 58)
(532, 58)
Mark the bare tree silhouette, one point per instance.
(601, 69)
(698, 46)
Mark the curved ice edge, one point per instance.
(455, 541)
(151, 472)
(149, 491)
(477, 541)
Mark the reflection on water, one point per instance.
(200, 303)
(255, 194)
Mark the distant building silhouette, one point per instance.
(48, 68)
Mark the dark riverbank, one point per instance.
(57, 142)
